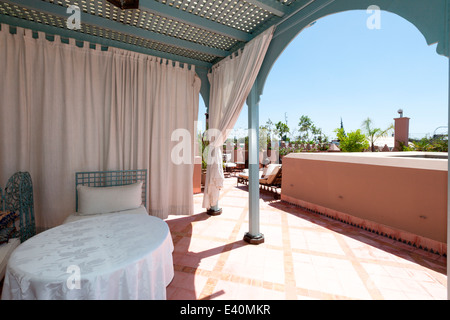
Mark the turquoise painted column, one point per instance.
(214, 210)
(253, 236)
(448, 183)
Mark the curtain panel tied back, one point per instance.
(231, 81)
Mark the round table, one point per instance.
(116, 256)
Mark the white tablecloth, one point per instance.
(117, 256)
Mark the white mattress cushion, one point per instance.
(94, 200)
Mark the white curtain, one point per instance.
(231, 81)
(65, 109)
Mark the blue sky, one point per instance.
(339, 68)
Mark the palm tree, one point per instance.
(374, 133)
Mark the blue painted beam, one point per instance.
(272, 6)
(205, 87)
(79, 36)
(193, 20)
(291, 10)
(300, 15)
(86, 18)
(295, 8)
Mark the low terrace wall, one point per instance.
(402, 195)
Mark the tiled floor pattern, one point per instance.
(304, 256)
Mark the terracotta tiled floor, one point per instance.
(304, 256)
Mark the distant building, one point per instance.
(382, 141)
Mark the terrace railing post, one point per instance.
(253, 236)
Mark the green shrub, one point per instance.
(354, 141)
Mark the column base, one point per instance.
(254, 239)
(214, 212)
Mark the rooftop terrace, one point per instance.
(305, 256)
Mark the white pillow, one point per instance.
(94, 200)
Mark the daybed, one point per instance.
(110, 248)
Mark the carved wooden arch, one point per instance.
(431, 18)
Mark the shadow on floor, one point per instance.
(403, 250)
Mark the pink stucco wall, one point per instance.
(403, 197)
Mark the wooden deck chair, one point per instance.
(243, 176)
(272, 181)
